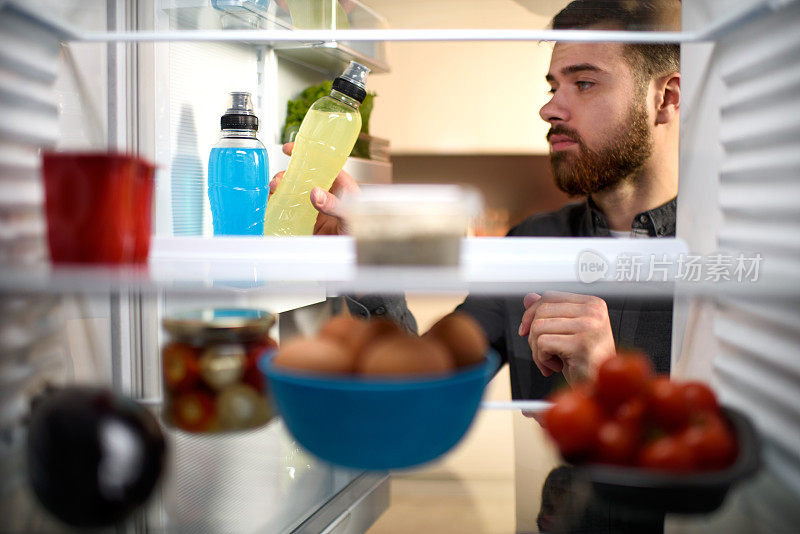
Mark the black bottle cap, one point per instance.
(350, 89)
(239, 121)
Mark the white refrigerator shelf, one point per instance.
(303, 265)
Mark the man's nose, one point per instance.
(554, 110)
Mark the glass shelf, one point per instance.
(303, 37)
(331, 55)
(255, 481)
(331, 49)
(327, 265)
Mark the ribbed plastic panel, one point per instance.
(759, 361)
(32, 351)
(33, 354)
(28, 122)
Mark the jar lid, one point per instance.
(219, 324)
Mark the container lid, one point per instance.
(239, 115)
(353, 81)
(220, 324)
(415, 198)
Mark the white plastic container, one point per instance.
(411, 224)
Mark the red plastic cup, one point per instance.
(142, 210)
(89, 200)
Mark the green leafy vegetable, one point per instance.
(296, 110)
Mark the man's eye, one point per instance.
(582, 86)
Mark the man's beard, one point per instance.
(591, 171)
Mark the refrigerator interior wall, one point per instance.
(738, 192)
(200, 76)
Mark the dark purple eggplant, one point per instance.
(93, 456)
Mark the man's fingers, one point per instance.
(287, 148)
(545, 359)
(344, 183)
(544, 362)
(552, 361)
(547, 351)
(561, 296)
(556, 325)
(548, 310)
(550, 347)
(326, 225)
(530, 299)
(530, 302)
(326, 202)
(527, 319)
(546, 371)
(273, 184)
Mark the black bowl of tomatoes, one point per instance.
(652, 443)
(690, 492)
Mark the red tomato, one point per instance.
(700, 397)
(180, 367)
(667, 453)
(621, 378)
(711, 441)
(194, 411)
(252, 375)
(666, 404)
(573, 422)
(616, 443)
(632, 412)
(585, 387)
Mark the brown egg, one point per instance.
(376, 330)
(405, 355)
(462, 336)
(343, 329)
(318, 355)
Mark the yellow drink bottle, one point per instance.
(323, 142)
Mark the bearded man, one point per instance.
(614, 114)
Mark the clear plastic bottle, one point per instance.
(325, 139)
(238, 172)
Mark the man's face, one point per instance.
(600, 133)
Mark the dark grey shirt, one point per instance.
(635, 322)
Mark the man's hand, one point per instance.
(330, 219)
(567, 332)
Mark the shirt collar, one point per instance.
(657, 222)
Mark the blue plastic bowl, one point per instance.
(378, 424)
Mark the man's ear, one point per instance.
(668, 101)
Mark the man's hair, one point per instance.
(647, 61)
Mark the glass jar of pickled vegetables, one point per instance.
(209, 367)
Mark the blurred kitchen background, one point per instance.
(475, 113)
